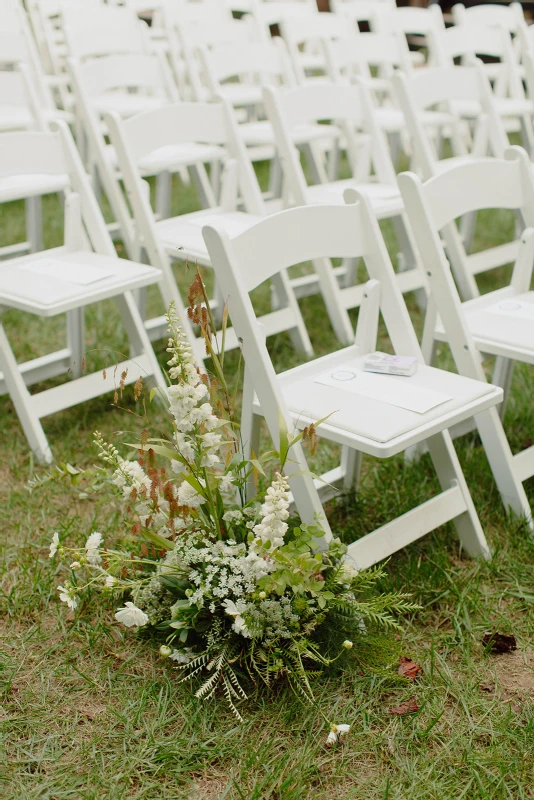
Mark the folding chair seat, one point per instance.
(500, 323)
(64, 280)
(367, 414)
(350, 108)
(179, 238)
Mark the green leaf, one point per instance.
(158, 540)
(284, 438)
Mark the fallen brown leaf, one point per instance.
(487, 687)
(499, 642)
(408, 707)
(408, 668)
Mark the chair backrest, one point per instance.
(442, 87)
(349, 106)
(264, 62)
(45, 154)
(510, 17)
(362, 10)
(433, 206)
(469, 41)
(181, 12)
(19, 103)
(412, 20)
(96, 39)
(308, 31)
(357, 54)
(204, 123)
(275, 12)
(147, 73)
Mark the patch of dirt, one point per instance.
(90, 709)
(513, 674)
(207, 788)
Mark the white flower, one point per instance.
(68, 596)
(129, 476)
(75, 565)
(188, 496)
(274, 511)
(165, 651)
(110, 581)
(235, 610)
(54, 545)
(226, 483)
(232, 516)
(131, 616)
(91, 548)
(336, 732)
(348, 644)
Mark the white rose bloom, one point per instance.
(54, 545)
(91, 548)
(131, 616)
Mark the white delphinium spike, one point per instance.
(54, 545)
(91, 548)
(336, 732)
(68, 596)
(131, 616)
(274, 512)
(130, 475)
(194, 417)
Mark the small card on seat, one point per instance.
(401, 392)
(80, 274)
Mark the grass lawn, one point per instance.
(89, 710)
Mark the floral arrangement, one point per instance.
(234, 592)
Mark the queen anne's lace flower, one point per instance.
(131, 616)
(54, 545)
(91, 548)
(274, 512)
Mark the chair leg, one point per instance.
(338, 315)
(449, 471)
(501, 462)
(23, 402)
(163, 195)
(284, 297)
(502, 376)
(34, 223)
(351, 463)
(76, 340)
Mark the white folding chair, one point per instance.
(149, 142)
(303, 36)
(270, 13)
(367, 414)
(350, 108)
(466, 42)
(185, 37)
(126, 84)
(452, 87)
(418, 24)
(64, 280)
(499, 323)
(17, 46)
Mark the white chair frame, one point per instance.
(29, 162)
(298, 235)
(469, 328)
